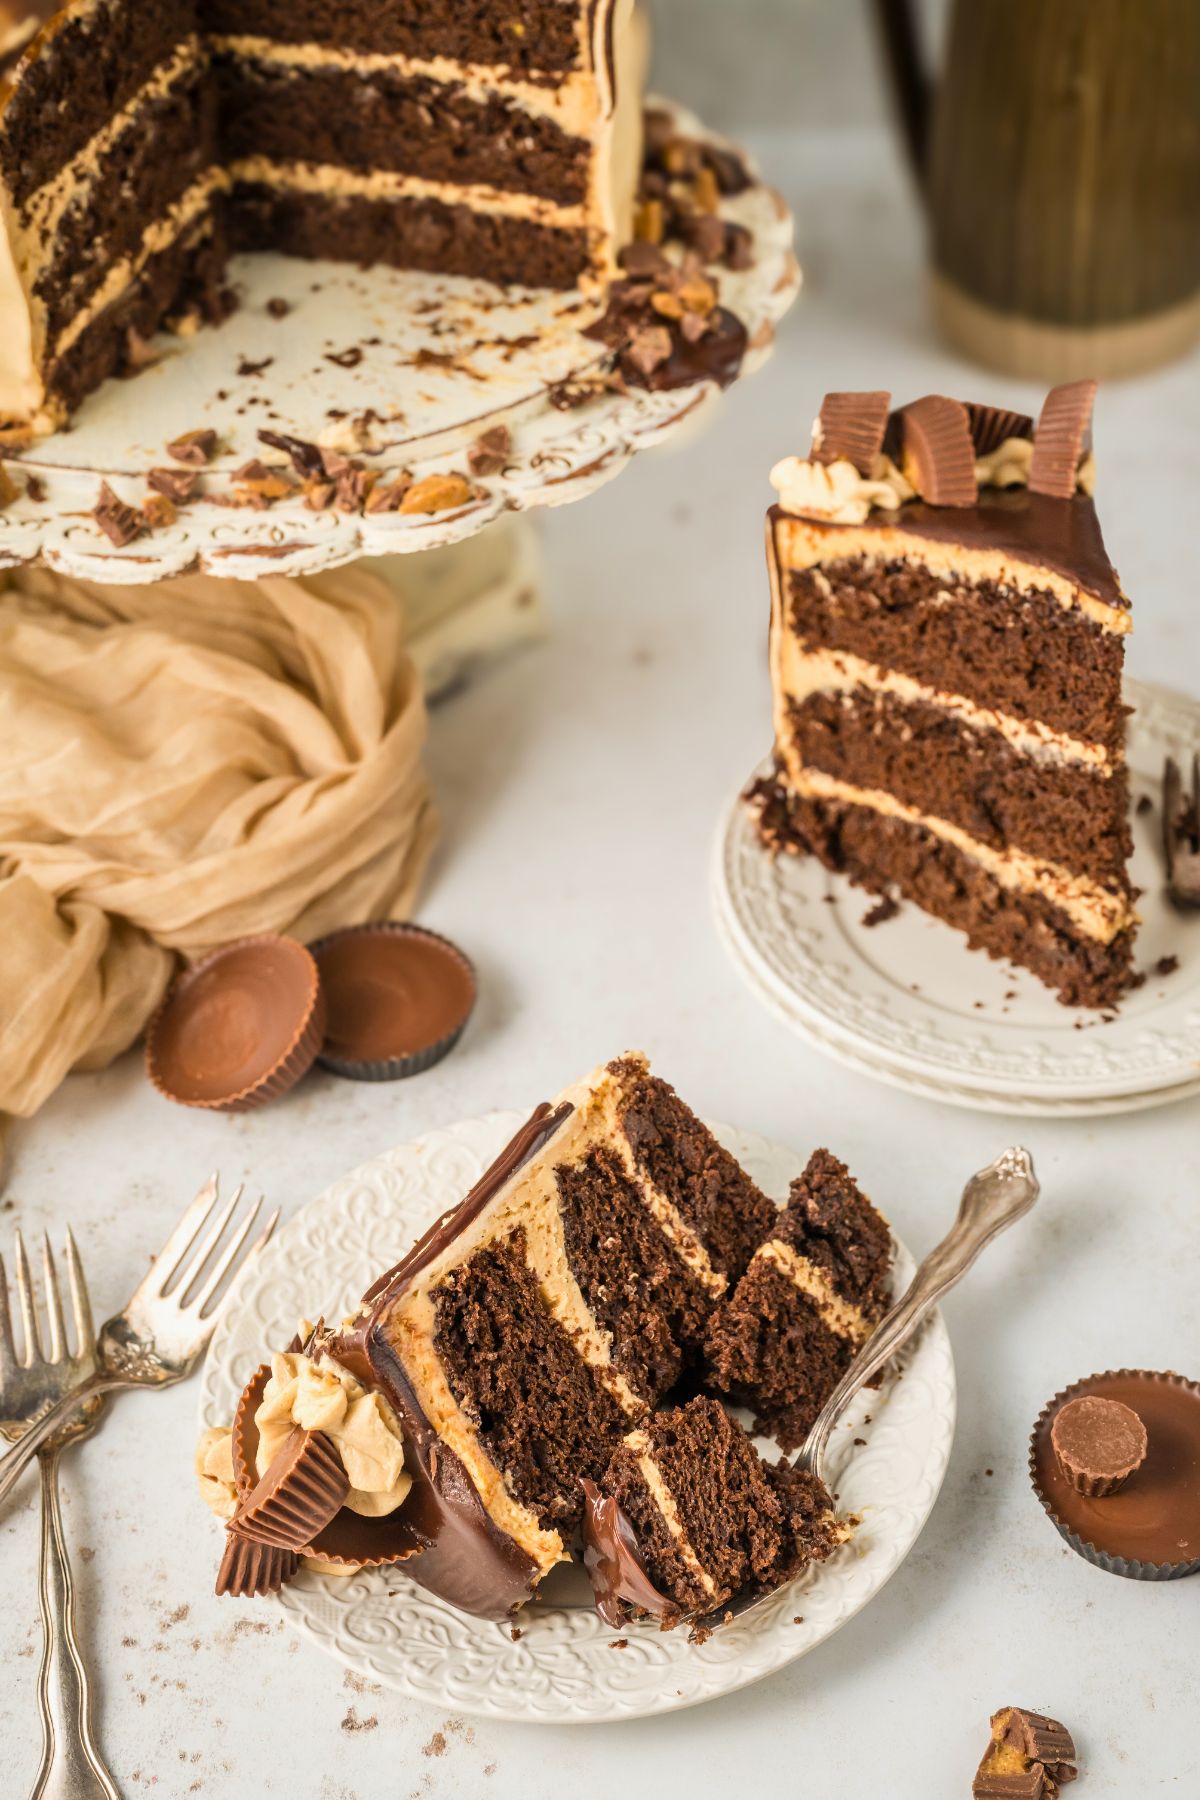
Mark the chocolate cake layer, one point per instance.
(883, 854)
(632, 1279)
(709, 1517)
(91, 68)
(392, 120)
(1020, 653)
(542, 1413)
(186, 275)
(408, 234)
(683, 1159)
(976, 779)
(528, 35)
(172, 146)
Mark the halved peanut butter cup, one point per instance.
(248, 1569)
(299, 1494)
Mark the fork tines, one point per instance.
(50, 1347)
(182, 1268)
(1181, 832)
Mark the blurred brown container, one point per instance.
(1059, 159)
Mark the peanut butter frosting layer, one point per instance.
(1096, 911)
(1028, 542)
(839, 1315)
(800, 670)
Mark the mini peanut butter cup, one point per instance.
(1098, 1444)
(297, 1497)
(398, 998)
(1148, 1526)
(350, 1541)
(239, 1028)
(249, 1569)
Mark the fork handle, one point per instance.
(26, 1447)
(71, 1767)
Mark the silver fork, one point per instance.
(164, 1329)
(71, 1766)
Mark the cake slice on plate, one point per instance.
(688, 1515)
(947, 641)
(812, 1295)
(538, 1323)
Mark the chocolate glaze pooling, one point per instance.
(1154, 1517)
(1064, 535)
(614, 1564)
(461, 1555)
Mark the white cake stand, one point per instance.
(403, 370)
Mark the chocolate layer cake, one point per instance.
(139, 139)
(812, 1295)
(687, 1515)
(947, 641)
(539, 1322)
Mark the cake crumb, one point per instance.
(1166, 965)
(436, 1745)
(799, 1619)
(619, 1644)
(248, 368)
(352, 1723)
(1145, 804)
(987, 1471)
(881, 912)
(279, 309)
(860, 1441)
(515, 1633)
(86, 1552)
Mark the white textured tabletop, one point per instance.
(580, 786)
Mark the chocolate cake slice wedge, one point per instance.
(946, 652)
(687, 1516)
(542, 1319)
(813, 1293)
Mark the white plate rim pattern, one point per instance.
(563, 1668)
(780, 945)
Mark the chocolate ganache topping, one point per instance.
(463, 1557)
(614, 1564)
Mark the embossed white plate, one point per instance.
(908, 1002)
(563, 1669)
(401, 368)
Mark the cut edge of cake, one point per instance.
(689, 1517)
(69, 312)
(814, 1291)
(946, 651)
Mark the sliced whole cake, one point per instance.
(814, 1291)
(947, 642)
(141, 140)
(687, 1515)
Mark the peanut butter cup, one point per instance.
(239, 1028)
(297, 1497)
(1098, 1444)
(1148, 1526)
(398, 998)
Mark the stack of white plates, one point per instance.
(907, 1002)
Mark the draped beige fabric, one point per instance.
(180, 765)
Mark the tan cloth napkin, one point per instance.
(180, 765)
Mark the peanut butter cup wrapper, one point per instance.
(398, 999)
(1109, 1529)
(244, 1447)
(249, 1569)
(297, 1497)
(239, 1028)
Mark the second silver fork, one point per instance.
(71, 1766)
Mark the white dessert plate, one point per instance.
(402, 369)
(888, 1461)
(906, 1000)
